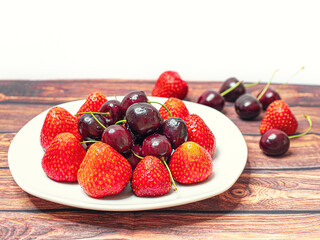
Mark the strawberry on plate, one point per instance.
(103, 171)
(58, 120)
(93, 103)
(170, 84)
(200, 133)
(150, 178)
(63, 157)
(190, 163)
(176, 107)
(278, 115)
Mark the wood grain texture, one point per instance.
(303, 153)
(254, 190)
(67, 90)
(274, 198)
(13, 121)
(307, 147)
(252, 127)
(156, 225)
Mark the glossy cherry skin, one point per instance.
(235, 93)
(247, 107)
(131, 98)
(156, 145)
(268, 97)
(118, 137)
(143, 119)
(176, 130)
(132, 159)
(89, 128)
(113, 107)
(212, 99)
(274, 142)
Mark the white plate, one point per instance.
(229, 160)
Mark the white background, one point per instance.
(201, 40)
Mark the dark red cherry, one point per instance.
(90, 128)
(212, 99)
(274, 142)
(235, 93)
(176, 130)
(118, 137)
(156, 145)
(113, 107)
(132, 158)
(268, 97)
(143, 119)
(131, 98)
(247, 107)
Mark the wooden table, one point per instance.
(274, 198)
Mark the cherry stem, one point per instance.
(251, 84)
(267, 86)
(136, 154)
(97, 120)
(301, 134)
(295, 74)
(121, 121)
(99, 113)
(230, 89)
(162, 106)
(166, 165)
(90, 141)
(171, 177)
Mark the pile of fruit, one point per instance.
(278, 124)
(109, 144)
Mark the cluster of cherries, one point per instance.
(273, 142)
(134, 128)
(247, 106)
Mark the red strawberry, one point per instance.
(278, 115)
(63, 157)
(200, 133)
(170, 84)
(176, 107)
(92, 103)
(103, 171)
(58, 120)
(190, 163)
(150, 178)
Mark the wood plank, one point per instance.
(253, 126)
(254, 190)
(303, 153)
(5, 141)
(67, 90)
(274, 198)
(66, 225)
(14, 119)
(307, 146)
(159, 225)
(63, 91)
(17, 115)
